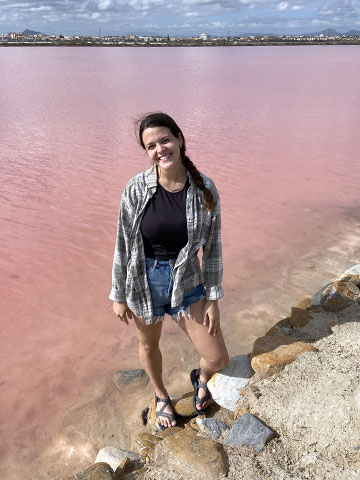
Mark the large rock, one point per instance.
(114, 456)
(225, 385)
(299, 317)
(271, 353)
(192, 456)
(213, 426)
(336, 296)
(250, 431)
(99, 471)
(146, 443)
(351, 275)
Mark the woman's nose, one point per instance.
(159, 148)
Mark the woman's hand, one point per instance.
(212, 316)
(122, 311)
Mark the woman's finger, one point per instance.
(211, 326)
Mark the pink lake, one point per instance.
(276, 128)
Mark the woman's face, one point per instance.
(162, 147)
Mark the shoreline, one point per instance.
(103, 416)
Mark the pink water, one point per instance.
(277, 129)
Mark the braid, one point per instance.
(199, 182)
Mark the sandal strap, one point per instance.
(161, 413)
(203, 385)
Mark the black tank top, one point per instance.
(164, 226)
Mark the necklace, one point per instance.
(173, 190)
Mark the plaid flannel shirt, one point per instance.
(129, 282)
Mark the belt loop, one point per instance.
(156, 262)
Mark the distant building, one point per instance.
(205, 36)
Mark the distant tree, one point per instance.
(61, 36)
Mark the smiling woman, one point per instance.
(167, 213)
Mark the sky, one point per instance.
(177, 18)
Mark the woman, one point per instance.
(166, 214)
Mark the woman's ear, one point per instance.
(181, 140)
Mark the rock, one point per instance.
(268, 343)
(146, 443)
(121, 469)
(273, 330)
(192, 456)
(299, 317)
(285, 322)
(223, 414)
(250, 431)
(336, 296)
(169, 431)
(213, 426)
(351, 275)
(99, 471)
(114, 456)
(305, 304)
(137, 377)
(241, 410)
(225, 385)
(271, 353)
(136, 474)
(184, 406)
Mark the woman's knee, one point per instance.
(219, 362)
(149, 346)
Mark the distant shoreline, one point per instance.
(171, 45)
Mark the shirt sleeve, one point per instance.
(212, 264)
(122, 251)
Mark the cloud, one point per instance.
(199, 2)
(282, 6)
(83, 16)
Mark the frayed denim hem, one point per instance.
(184, 312)
(156, 319)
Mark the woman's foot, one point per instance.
(202, 396)
(164, 412)
(203, 393)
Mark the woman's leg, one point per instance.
(214, 355)
(151, 360)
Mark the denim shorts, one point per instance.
(159, 275)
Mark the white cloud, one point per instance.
(218, 24)
(282, 6)
(297, 7)
(192, 14)
(104, 4)
(198, 2)
(321, 23)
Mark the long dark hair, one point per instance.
(159, 119)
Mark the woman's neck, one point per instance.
(173, 176)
